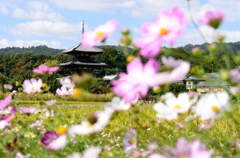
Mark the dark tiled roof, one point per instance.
(81, 48)
(82, 63)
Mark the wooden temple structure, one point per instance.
(82, 61)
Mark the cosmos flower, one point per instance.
(32, 86)
(38, 123)
(99, 34)
(65, 91)
(170, 62)
(137, 81)
(45, 69)
(91, 152)
(234, 90)
(94, 123)
(66, 82)
(213, 19)
(130, 141)
(48, 114)
(235, 75)
(7, 86)
(205, 124)
(54, 141)
(173, 105)
(169, 25)
(51, 102)
(193, 149)
(116, 105)
(20, 155)
(9, 118)
(5, 102)
(30, 110)
(211, 104)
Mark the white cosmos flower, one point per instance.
(211, 104)
(59, 143)
(66, 82)
(86, 127)
(3, 124)
(48, 115)
(65, 91)
(32, 86)
(91, 152)
(116, 105)
(173, 105)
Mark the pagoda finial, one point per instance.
(83, 27)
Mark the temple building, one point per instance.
(82, 61)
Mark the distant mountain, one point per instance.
(226, 47)
(34, 50)
(119, 48)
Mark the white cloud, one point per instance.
(60, 30)
(3, 10)
(94, 5)
(38, 11)
(20, 43)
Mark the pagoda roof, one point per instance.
(83, 64)
(81, 48)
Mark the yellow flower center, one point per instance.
(177, 107)
(77, 93)
(32, 88)
(44, 85)
(163, 31)
(130, 58)
(90, 125)
(203, 121)
(12, 145)
(132, 140)
(16, 82)
(215, 108)
(48, 116)
(53, 140)
(61, 130)
(183, 156)
(100, 34)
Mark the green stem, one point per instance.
(195, 25)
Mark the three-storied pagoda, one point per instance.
(81, 58)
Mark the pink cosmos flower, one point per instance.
(91, 152)
(20, 155)
(100, 34)
(32, 86)
(65, 91)
(235, 75)
(5, 102)
(138, 80)
(51, 102)
(9, 118)
(169, 25)
(30, 110)
(213, 19)
(45, 69)
(170, 62)
(7, 86)
(130, 141)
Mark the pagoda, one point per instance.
(82, 61)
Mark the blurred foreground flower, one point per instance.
(5, 102)
(171, 62)
(210, 105)
(45, 69)
(235, 75)
(32, 86)
(20, 155)
(91, 152)
(172, 105)
(193, 149)
(9, 118)
(99, 34)
(116, 105)
(169, 25)
(214, 19)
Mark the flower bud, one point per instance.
(92, 119)
(220, 38)
(213, 47)
(224, 75)
(125, 32)
(126, 40)
(130, 58)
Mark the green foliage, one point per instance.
(177, 88)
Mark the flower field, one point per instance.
(151, 131)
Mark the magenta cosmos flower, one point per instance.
(214, 19)
(7, 86)
(92, 38)
(5, 102)
(9, 118)
(169, 25)
(54, 141)
(137, 81)
(32, 86)
(45, 69)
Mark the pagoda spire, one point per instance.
(82, 27)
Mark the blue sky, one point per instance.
(58, 23)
